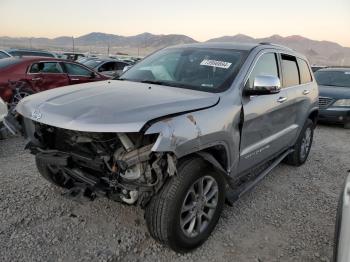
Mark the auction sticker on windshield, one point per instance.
(214, 63)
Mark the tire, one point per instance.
(22, 93)
(52, 175)
(300, 154)
(165, 215)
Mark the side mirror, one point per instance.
(264, 85)
(93, 75)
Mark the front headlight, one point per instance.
(342, 102)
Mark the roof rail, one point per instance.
(277, 45)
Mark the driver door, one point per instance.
(267, 127)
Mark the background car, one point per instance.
(20, 77)
(4, 54)
(315, 68)
(72, 56)
(106, 66)
(342, 226)
(27, 52)
(334, 100)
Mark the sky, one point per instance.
(199, 19)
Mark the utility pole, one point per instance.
(73, 43)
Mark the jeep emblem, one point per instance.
(36, 115)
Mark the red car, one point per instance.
(20, 77)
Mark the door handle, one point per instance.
(306, 92)
(36, 78)
(282, 99)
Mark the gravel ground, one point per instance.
(289, 216)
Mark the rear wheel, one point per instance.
(186, 210)
(302, 146)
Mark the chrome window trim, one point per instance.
(277, 52)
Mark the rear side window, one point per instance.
(266, 65)
(46, 67)
(73, 69)
(7, 62)
(305, 75)
(120, 66)
(290, 71)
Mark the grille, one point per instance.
(324, 102)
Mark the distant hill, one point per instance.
(101, 39)
(319, 52)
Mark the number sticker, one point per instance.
(214, 63)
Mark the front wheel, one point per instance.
(303, 145)
(186, 210)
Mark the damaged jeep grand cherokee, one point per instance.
(178, 134)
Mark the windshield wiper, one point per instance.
(154, 82)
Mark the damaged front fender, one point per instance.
(192, 132)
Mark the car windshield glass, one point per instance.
(6, 62)
(203, 69)
(92, 63)
(333, 78)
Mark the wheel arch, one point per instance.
(313, 115)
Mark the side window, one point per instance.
(266, 65)
(109, 66)
(73, 69)
(290, 71)
(305, 75)
(120, 66)
(46, 67)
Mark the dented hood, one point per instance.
(111, 106)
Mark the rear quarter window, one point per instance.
(305, 74)
(290, 71)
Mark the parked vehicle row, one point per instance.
(20, 77)
(178, 133)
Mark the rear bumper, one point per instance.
(339, 115)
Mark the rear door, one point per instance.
(79, 74)
(302, 94)
(46, 75)
(267, 128)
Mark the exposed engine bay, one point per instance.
(120, 166)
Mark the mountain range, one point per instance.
(318, 52)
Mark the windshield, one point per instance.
(203, 69)
(333, 78)
(92, 63)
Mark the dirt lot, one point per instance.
(288, 217)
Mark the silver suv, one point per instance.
(179, 133)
